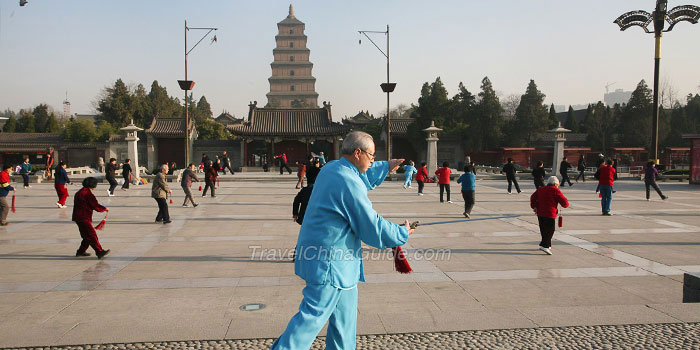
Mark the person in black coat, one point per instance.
(126, 173)
(538, 174)
(110, 174)
(564, 172)
(225, 163)
(509, 170)
(301, 200)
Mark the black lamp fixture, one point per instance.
(660, 16)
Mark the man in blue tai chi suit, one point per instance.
(329, 253)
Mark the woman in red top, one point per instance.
(444, 180)
(83, 205)
(421, 177)
(544, 202)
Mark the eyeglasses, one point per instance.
(371, 155)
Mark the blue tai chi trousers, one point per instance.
(321, 303)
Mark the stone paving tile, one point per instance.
(670, 336)
(187, 280)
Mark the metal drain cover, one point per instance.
(252, 307)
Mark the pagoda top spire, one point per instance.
(291, 10)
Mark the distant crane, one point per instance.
(608, 85)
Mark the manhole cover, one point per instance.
(252, 307)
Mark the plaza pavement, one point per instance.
(187, 281)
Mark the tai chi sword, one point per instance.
(418, 223)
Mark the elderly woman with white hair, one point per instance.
(545, 202)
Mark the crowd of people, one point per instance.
(335, 214)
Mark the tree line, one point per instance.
(117, 106)
(483, 122)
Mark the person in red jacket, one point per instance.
(605, 184)
(444, 180)
(544, 202)
(421, 177)
(83, 205)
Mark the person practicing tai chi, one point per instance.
(606, 177)
(5, 189)
(210, 175)
(509, 170)
(544, 202)
(650, 175)
(581, 167)
(564, 172)
(187, 178)
(110, 174)
(160, 192)
(538, 174)
(443, 175)
(421, 177)
(126, 173)
(408, 171)
(468, 181)
(338, 219)
(25, 170)
(60, 181)
(283, 162)
(83, 205)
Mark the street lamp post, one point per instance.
(660, 17)
(187, 85)
(387, 87)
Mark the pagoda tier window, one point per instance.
(291, 31)
(291, 58)
(291, 72)
(291, 44)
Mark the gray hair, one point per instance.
(553, 180)
(162, 166)
(355, 140)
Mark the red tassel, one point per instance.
(561, 221)
(400, 262)
(171, 201)
(600, 195)
(102, 223)
(13, 203)
(200, 188)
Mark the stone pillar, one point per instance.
(336, 148)
(431, 153)
(132, 148)
(241, 163)
(558, 153)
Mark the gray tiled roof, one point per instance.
(289, 122)
(168, 127)
(29, 141)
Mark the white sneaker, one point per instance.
(404, 187)
(58, 204)
(185, 205)
(420, 194)
(410, 187)
(648, 199)
(510, 193)
(64, 206)
(546, 250)
(449, 201)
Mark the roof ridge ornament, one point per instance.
(291, 10)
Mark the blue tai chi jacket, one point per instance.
(339, 217)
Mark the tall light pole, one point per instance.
(660, 17)
(187, 85)
(387, 87)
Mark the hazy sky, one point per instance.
(570, 48)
